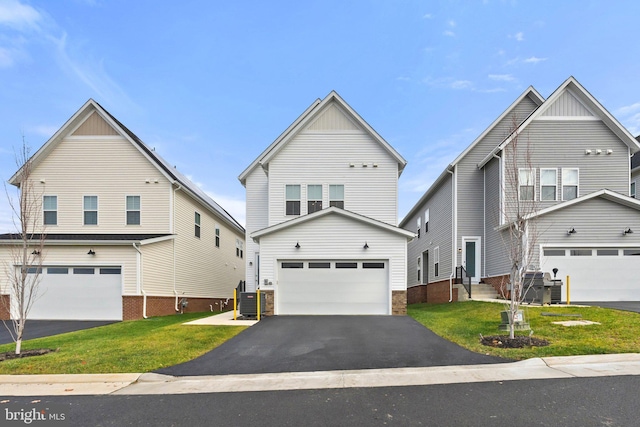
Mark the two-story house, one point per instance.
(127, 235)
(575, 170)
(322, 235)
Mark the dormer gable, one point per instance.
(94, 125)
(333, 118)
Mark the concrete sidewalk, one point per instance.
(143, 384)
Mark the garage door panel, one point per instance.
(595, 277)
(333, 290)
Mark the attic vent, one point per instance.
(95, 125)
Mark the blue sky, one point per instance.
(210, 84)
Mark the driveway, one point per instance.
(326, 343)
(618, 305)
(45, 328)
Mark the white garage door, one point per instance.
(79, 293)
(333, 287)
(596, 274)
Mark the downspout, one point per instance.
(453, 233)
(139, 280)
(175, 291)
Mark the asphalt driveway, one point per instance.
(324, 343)
(618, 305)
(46, 328)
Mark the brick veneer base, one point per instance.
(436, 292)
(500, 284)
(399, 303)
(132, 306)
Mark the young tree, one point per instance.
(26, 252)
(519, 205)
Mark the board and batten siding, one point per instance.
(333, 237)
(111, 168)
(497, 258)
(324, 158)
(470, 179)
(202, 269)
(439, 235)
(257, 218)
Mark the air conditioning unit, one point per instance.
(249, 304)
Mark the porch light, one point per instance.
(297, 245)
(627, 231)
(91, 252)
(366, 245)
(571, 231)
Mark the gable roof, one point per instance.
(332, 210)
(591, 106)
(311, 113)
(171, 173)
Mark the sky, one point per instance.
(210, 84)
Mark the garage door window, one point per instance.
(57, 270)
(373, 265)
(554, 252)
(346, 265)
(292, 265)
(632, 252)
(110, 271)
(607, 252)
(84, 271)
(319, 265)
(34, 270)
(580, 252)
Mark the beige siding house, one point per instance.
(127, 235)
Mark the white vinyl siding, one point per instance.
(548, 184)
(90, 206)
(50, 210)
(527, 183)
(257, 195)
(570, 184)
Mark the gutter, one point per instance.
(453, 232)
(173, 248)
(139, 280)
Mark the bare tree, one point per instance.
(26, 251)
(519, 205)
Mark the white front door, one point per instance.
(471, 257)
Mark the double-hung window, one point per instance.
(336, 196)
(293, 199)
(50, 210)
(239, 248)
(314, 198)
(419, 225)
(133, 210)
(570, 180)
(197, 224)
(632, 192)
(217, 236)
(548, 184)
(90, 206)
(436, 261)
(527, 183)
(426, 221)
(419, 261)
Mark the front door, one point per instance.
(471, 257)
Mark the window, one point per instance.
(111, 270)
(90, 205)
(373, 265)
(34, 270)
(607, 252)
(57, 270)
(426, 221)
(217, 236)
(419, 225)
(336, 196)
(419, 268)
(570, 180)
(319, 265)
(314, 198)
(133, 210)
(197, 225)
(292, 265)
(631, 252)
(436, 261)
(632, 192)
(84, 271)
(548, 184)
(239, 248)
(554, 252)
(346, 265)
(527, 184)
(580, 252)
(293, 199)
(50, 208)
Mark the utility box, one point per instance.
(249, 304)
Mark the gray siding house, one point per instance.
(578, 177)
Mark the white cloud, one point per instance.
(534, 60)
(451, 23)
(518, 36)
(235, 207)
(628, 109)
(461, 84)
(427, 16)
(629, 116)
(44, 130)
(502, 77)
(449, 33)
(19, 16)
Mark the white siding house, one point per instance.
(122, 238)
(322, 217)
(581, 178)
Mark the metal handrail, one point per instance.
(461, 274)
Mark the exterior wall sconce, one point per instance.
(627, 231)
(571, 231)
(366, 245)
(91, 252)
(35, 252)
(297, 246)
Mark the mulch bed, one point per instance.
(25, 353)
(503, 341)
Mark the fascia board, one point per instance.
(157, 239)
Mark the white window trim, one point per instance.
(197, 224)
(436, 261)
(126, 210)
(419, 269)
(337, 200)
(577, 185)
(87, 210)
(419, 225)
(633, 185)
(50, 210)
(216, 238)
(299, 200)
(533, 184)
(309, 199)
(555, 193)
(426, 221)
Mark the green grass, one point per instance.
(132, 346)
(462, 323)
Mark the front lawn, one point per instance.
(463, 322)
(132, 346)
